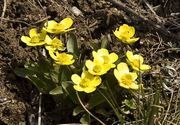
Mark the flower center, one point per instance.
(84, 83)
(56, 44)
(136, 62)
(97, 68)
(62, 58)
(126, 79)
(106, 59)
(35, 39)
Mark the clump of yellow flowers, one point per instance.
(103, 61)
(125, 34)
(54, 46)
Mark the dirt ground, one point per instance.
(160, 46)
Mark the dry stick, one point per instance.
(170, 101)
(121, 6)
(4, 10)
(149, 6)
(40, 109)
(15, 21)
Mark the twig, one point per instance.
(40, 109)
(15, 21)
(4, 9)
(121, 6)
(39, 21)
(167, 111)
(149, 6)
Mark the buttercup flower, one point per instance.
(87, 82)
(54, 44)
(136, 61)
(125, 78)
(125, 33)
(62, 58)
(102, 55)
(97, 67)
(34, 38)
(61, 27)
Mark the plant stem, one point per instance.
(80, 101)
(112, 106)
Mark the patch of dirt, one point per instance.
(19, 98)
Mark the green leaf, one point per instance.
(78, 110)
(22, 72)
(44, 65)
(95, 100)
(72, 46)
(41, 85)
(125, 110)
(68, 88)
(130, 104)
(65, 73)
(56, 91)
(102, 112)
(85, 119)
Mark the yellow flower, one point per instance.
(35, 39)
(87, 82)
(102, 55)
(54, 44)
(136, 61)
(97, 68)
(125, 33)
(125, 78)
(62, 58)
(61, 27)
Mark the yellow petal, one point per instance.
(89, 89)
(50, 24)
(117, 74)
(138, 58)
(33, 32)
(94, 53)
(36, 44)
(124, 85)
(117, 34)
(42, 35)
(86, 74)
(48, 39)
(103, 51)
(123, 67)
(89, 64)
(123, 27)
(96, 81)
(145, 67)
(25, 39)
(52, 55)
(129, 55)
(134, 86)
(113, 57)
(76, 78)
(131, 31)
(132, 40)
(78, 88)
(67, 22)
(134, 75)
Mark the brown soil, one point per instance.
(19, 98)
